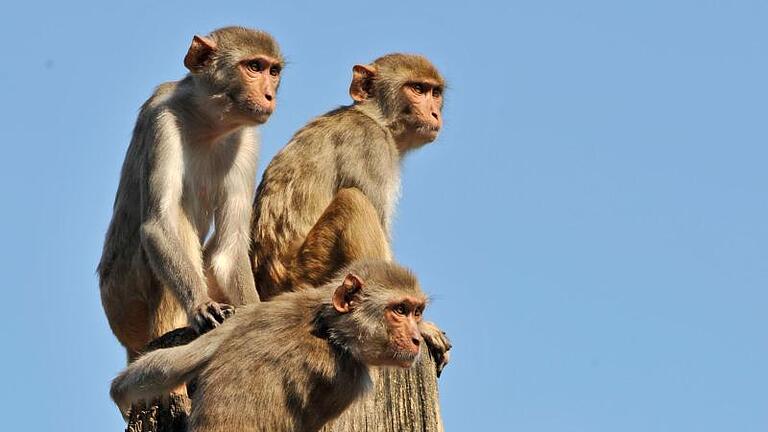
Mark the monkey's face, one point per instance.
(256, 97)
(402, 319)
(423, 105)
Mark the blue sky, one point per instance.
(592, 222)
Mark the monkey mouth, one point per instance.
(428, 129)
(257, 113)
(425, 129)
(253, 110)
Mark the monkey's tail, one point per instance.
(158, 372)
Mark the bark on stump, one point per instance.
(401, 400)
(169, 415)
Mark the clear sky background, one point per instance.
(592, 222)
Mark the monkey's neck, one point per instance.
(403, 138)
(206, 116)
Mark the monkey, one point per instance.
(191, 163)
(292, 363)
(397, 108)
(308, 220)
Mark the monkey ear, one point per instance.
(346, 292)
(200, 53)
(362, 82)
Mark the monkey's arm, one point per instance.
(162, 370)
(167, 237)
(227, 251)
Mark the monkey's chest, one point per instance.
(199, 201)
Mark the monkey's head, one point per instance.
(378, 308)
(240, 68)
(408, 90)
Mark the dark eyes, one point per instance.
(256, 65)
(421, 89)
(403, 309)
(260, 66)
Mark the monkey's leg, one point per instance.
(168, 315)
(128, 318)
(124, 294)
(349, 229)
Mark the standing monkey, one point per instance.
(328, 197)
(191, 162)
(294, 363)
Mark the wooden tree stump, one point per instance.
(169, 414)
(401, 400)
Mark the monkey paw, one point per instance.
(209, 315)
(438, 344)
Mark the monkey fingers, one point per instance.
(209, 315)
(438, 344)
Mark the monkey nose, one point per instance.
(416, 341)
(268, 97)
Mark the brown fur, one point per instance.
(290, 364)
(191, 161)
(358, 146)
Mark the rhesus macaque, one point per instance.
(398, 103)
(307, 224)
(295, 362)
(191, 162)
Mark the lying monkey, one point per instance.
(293, 363)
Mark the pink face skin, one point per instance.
(260, 76)
(403, 318)
(426, 101)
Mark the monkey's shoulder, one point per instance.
(160, 96)
(343, 125)
(289, 319)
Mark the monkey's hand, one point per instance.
(209, 315)
(438, 344)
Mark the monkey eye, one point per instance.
(418, 311)
(418, 88)
(437, 92)
(400, 309)
(256, 65)
(274, 70)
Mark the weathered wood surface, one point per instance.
(401, 400)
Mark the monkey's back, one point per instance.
(125, 303)
(281, 370)
(343, 148)
(122, 238)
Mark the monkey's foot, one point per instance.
(438, 344)
(209, 315)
